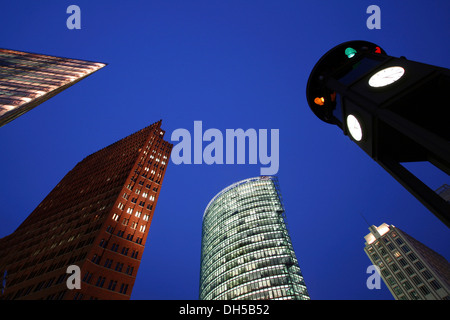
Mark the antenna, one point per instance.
(364, 219)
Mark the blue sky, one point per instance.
(229, 64)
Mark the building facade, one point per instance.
(97, 218)
(247, 252)
(410, 270)
(28, 79)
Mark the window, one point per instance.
(125, 221)
(412, 256)
(112, 285)
(138, 214)
(405, 248)
(103, 243)
(96, 259)
(119, 266)
(134, 225)
(402, 262)
(87, 277)
(100, 281)
(115, 217)
(120, 206)
(400, 276)
(407, 285)
(123, 288)
(108, 263)
(427, 274)
(419, 265)
(435, 284)
(416, 280)
(424, 290)
(146, 216)
(130, 210)
(130, 270)
(394, 267)
(142, 228)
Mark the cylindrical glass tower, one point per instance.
(247, 253)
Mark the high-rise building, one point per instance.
(410, 270)
(247, 252)
(97, 218)
(28, 79)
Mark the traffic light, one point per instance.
(319, 101)
(350, 52)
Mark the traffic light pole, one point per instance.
(435, 203)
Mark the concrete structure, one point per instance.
(410, 270)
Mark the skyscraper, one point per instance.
(247, 253)
(97, 218)
(410, 270)
(28, 79)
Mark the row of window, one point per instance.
(230, 240)
(213, 271)
(248, 272)
(109, 263)
(36, 288)
(120, 233)
(395, 270)
(100, 282)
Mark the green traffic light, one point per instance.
(350, 52)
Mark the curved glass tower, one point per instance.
(247, 253)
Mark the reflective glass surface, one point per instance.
(246, 249)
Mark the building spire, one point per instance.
(364, 219)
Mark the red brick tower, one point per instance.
(96, 218)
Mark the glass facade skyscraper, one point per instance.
(247, 253)
(28, 79)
